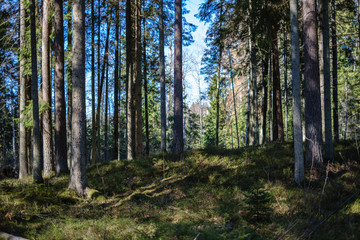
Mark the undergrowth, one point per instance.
(248, 193)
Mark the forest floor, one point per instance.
(248, 193)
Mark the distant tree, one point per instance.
(78, 181)
(298, 143)
(312, 86)
(37, 161)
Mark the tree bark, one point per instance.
(234, 100)
(37, 161)
(313, 127)
(46, 91)
(178, 82)
(60, 107)
(278, 125)
(297, 124)
(147, 148)
(106, 114)
(23, 84)
(265, 75)
(78, 181)
(162, 76)
(93, 102)
(69, 85)
(334, 71)
(116, 83)
(324, 12)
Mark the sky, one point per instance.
(195, 53)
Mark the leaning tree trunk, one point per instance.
(297, 127)
(60, 106)
(162, 76)
(78, 181)
(23, 79)
(46, 91)
(313, 144)
(37, 161)
(324, 13)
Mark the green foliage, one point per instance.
(28, 117)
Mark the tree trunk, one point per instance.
(78, 181)
(138, 84)
(234, 99)
(69, 85)
(37, 161)
(116, 83)
(218, 81)
(147, 148)
(297, 124)
(106, 114)
(178, 82)
(131, 75)
(23, 84)
(162, 76)
(60, 107)
(278, 126)
(265, 75)
(286, 86)
(312, 86)
(324, 12)
(46, 91)
(334, 71)
(93, 102)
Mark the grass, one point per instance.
(247, 193)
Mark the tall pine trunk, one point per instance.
(278, 125)
(46, 91)
(78, 181)
(313, 129)
(297, 124)
(334, 71)
(37, 161)
(93, 102)
(60, 107)
(162, 76)
(324, 13)
(116, 84)
(69, 84)
(265, 76)
(147, 147)
(178, 82)
(23, 84)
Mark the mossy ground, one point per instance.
(247, 193)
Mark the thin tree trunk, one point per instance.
(218, 81)
(119, 106)
(116, 82)
(278, 127)
(162, 76)
(265, 75)
(234, 99)
(69, 85)
(334, 71)
(93, 102)
(60, 106)
(46, 91)
(23, 84)
(106, 114)
(312, 86)
(78, 181)
(297, 124)
(138, 84)
(147, 148)
(178, 85)
(286, 86)
(37, 161)
(131, 76)
(329, 150)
